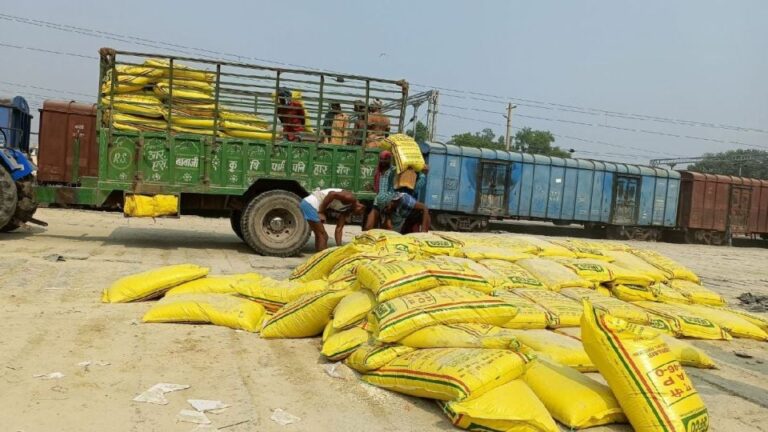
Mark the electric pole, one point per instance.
(508, 135)
(432, 115)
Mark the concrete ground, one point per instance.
(52, 320)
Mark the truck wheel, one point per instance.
(235, 219)
(8, 199)
(272, 224)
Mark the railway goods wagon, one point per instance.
(468, 186)
(713, 208)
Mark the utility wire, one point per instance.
(567, 137)
(471, 94)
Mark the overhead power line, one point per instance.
(471, 94)
(648, 153)
(586, 110)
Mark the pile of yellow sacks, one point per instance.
(503, 332)
(141, 95)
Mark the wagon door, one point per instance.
(493, 188)
(739, 212)
(626, 195)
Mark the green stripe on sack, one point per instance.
(414, 378)
(401, 282)
(334, 356)
(276, 317)
(618, 353)
(419, 311)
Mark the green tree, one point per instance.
(482, 139)
(421, 132)
(540, 142)
(745, 163)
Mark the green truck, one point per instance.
(225, 138)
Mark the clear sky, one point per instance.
(699, 60)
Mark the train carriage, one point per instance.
(468, 186)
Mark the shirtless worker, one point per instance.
(343, 202)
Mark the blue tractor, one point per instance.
(17, 196)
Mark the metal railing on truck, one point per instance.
(176, 94)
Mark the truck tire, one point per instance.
(273, 224)
(235, 219)
(8, 199)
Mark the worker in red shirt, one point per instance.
(291, 114)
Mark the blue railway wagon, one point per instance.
(467, 186)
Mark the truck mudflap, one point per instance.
(17, 163)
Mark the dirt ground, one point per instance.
(52, 320)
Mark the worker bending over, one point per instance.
(314, 206)
(401, 210)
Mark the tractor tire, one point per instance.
(235, 219)
(273, 224)
(8, 200)
(27, 205)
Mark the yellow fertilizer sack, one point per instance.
(515, 276)
(563, 349)
(146, 105)
(511, 243)
(224, 284)
(219, 309)
(479, 252)
(180, 71)
(400, 246)
(529, 314)
(320, 264)
(572, 398)
(399, 317)
(687, 354)
(553, 275)
(406, 152)
(584, 250)
(697, 293)
(613, 306)
(666, 294)
(371, 356)
(561, 310)
(633, 293)
(352, 308)
(652, 387)
(339, 345)
(304, 317)
(758, 320)
(464, 272)
(732, 323)
(668, 265)
(152, 283)
(511, 407)
(329, 331)
(274, 294)
(595, 271)
(684, 322)
(546, 248)
(450, 374)
(393, 279)
(638, 265)
(370, 237)
(624, 276)
(462, 335)
(151, 206)
(433, 245)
